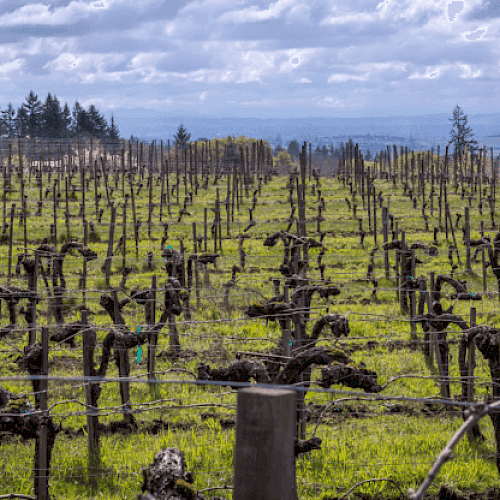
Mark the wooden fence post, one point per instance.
(11, 228)
(467, 240)
(41, 455)
(153, 340)
(264, 455)
(471, 362)
(94, 456)
(109, 256)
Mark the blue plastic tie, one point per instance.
(139, 349)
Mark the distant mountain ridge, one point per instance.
(422, 131)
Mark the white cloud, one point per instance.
(330, 102)
(11, 70)
(38, 13)
(467, 72)
(303, 80)
(253, 14)
(84, 62)
(344, 77)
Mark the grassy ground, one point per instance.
(361, 439)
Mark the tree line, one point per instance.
(51, 120)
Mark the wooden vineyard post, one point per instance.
(402, 283)
(153, 338)
(218, 227)
(109, 256)
(41, 453)
(484, 268)
(430, 310)
(471, 362)
(124, 234)
(123, 369)
(33, 299)
(264, 454)
(385, 231)
(134, 216)
(150, 201)
(448, 217)
(11, 229)
(54, 194)
(195, 262)
(94, 454)
(287, 334)
(413, 300)
(205, 216)
(84, 271)
(467, 239)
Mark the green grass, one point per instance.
(356, 446)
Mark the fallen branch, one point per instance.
(476, 412)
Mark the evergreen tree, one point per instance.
(294, 150)
(80, 124)
(8, 121)
(113, 137)
(33, 109)
(324, 151)
(368, 155)
(22, 122)
(66, 120)
(97, 124)
(182, 137)
(460, 133)
(51, 120)
(113, 131)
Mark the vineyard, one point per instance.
(142, 287)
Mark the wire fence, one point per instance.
(179, 401)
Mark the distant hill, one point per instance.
(423, 131)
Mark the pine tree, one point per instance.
(8, 121)
(368, 156)
(97, 124)
(66, 120)
(51, 118)
(33, 109)
(113, 137)
(80, 124)
(461, 135)
(113, 131)
(182, 137)
(22, 122)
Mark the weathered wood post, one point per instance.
(109, 257)
(41, 455)
(264, 455)
(94, 456)
(471, 362)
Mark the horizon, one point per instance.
(254, 59)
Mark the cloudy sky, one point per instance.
(241, 58)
